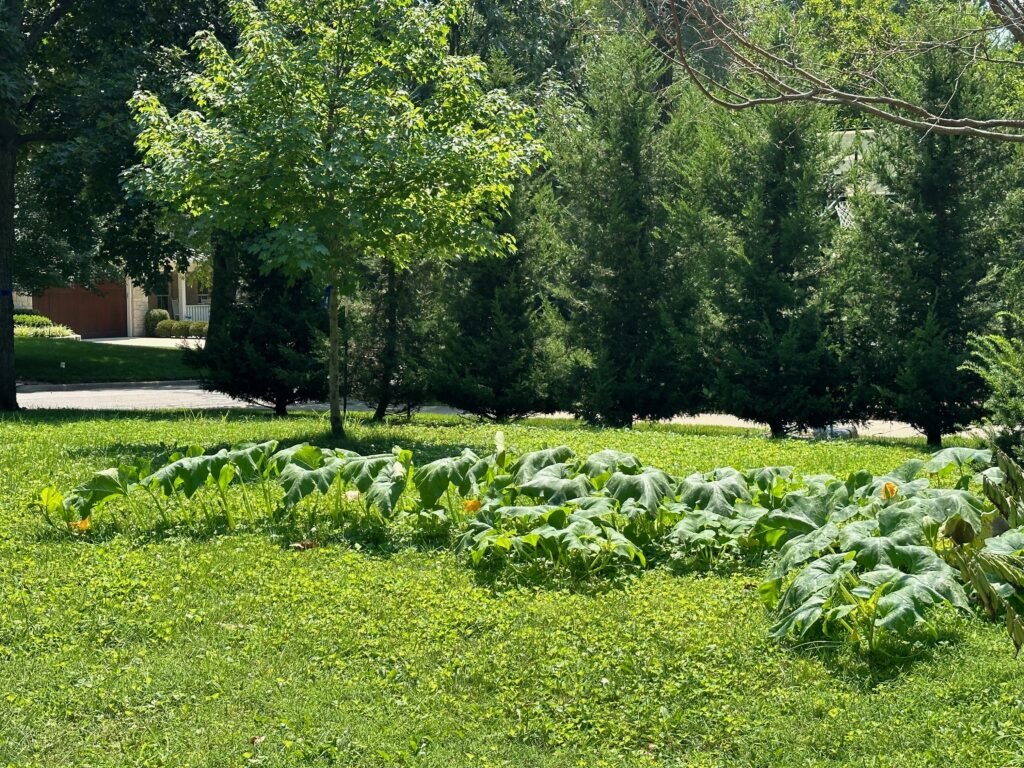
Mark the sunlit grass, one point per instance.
(234, 650)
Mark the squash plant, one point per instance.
(858, 559)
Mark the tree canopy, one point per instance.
(335, 129)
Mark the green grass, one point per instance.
(236, 651)
(39, 360)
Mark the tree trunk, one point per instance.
(223, 294)
(389, 355)
(778, 429)
(933, 436)
(281, 408)
(8, 166)
(334, 379)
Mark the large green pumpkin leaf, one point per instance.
(387, 487)
(946, 504)
(802, 607)
(361, 471)
(102, 487)
(303, 454)
(557, 484)
(799, 514)
(529, 464)
(915, 580)
(433, 480)
(874, 541)
(648, 488)
(804, 548)
(960, 458)
(716, 491)
(609, 462)
(298, 481)
(188, 474)
(1010, 543)
(524, 518)
(252, 461)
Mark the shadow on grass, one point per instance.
(890, 659)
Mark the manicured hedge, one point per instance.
(50, 331)
(153, 318)
(180, 329)
(34, 320)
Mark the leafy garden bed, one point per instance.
(864, 558)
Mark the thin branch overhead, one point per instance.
(728, 61)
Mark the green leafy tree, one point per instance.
(68, 67)
(525, 42)
(636, 309)
(917, 258)
(774, 358)
(343, 131)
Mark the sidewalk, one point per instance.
(146, 341)
(188, 395)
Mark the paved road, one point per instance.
(188, 395)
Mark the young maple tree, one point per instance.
(337, 129)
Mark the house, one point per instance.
(118, 309)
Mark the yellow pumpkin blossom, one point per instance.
(889, 490)
(471, 505)
(79, 525)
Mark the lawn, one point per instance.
(237, 651)
(39, 360)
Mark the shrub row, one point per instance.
(51, 331)
(33, 320)
(180, 329)
(153, 318)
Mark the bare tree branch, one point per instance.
(755, 73)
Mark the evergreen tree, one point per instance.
(395, 344)
(505, 352)
(269, 346)
(637, 312)
(916, 262)
(774, 359)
